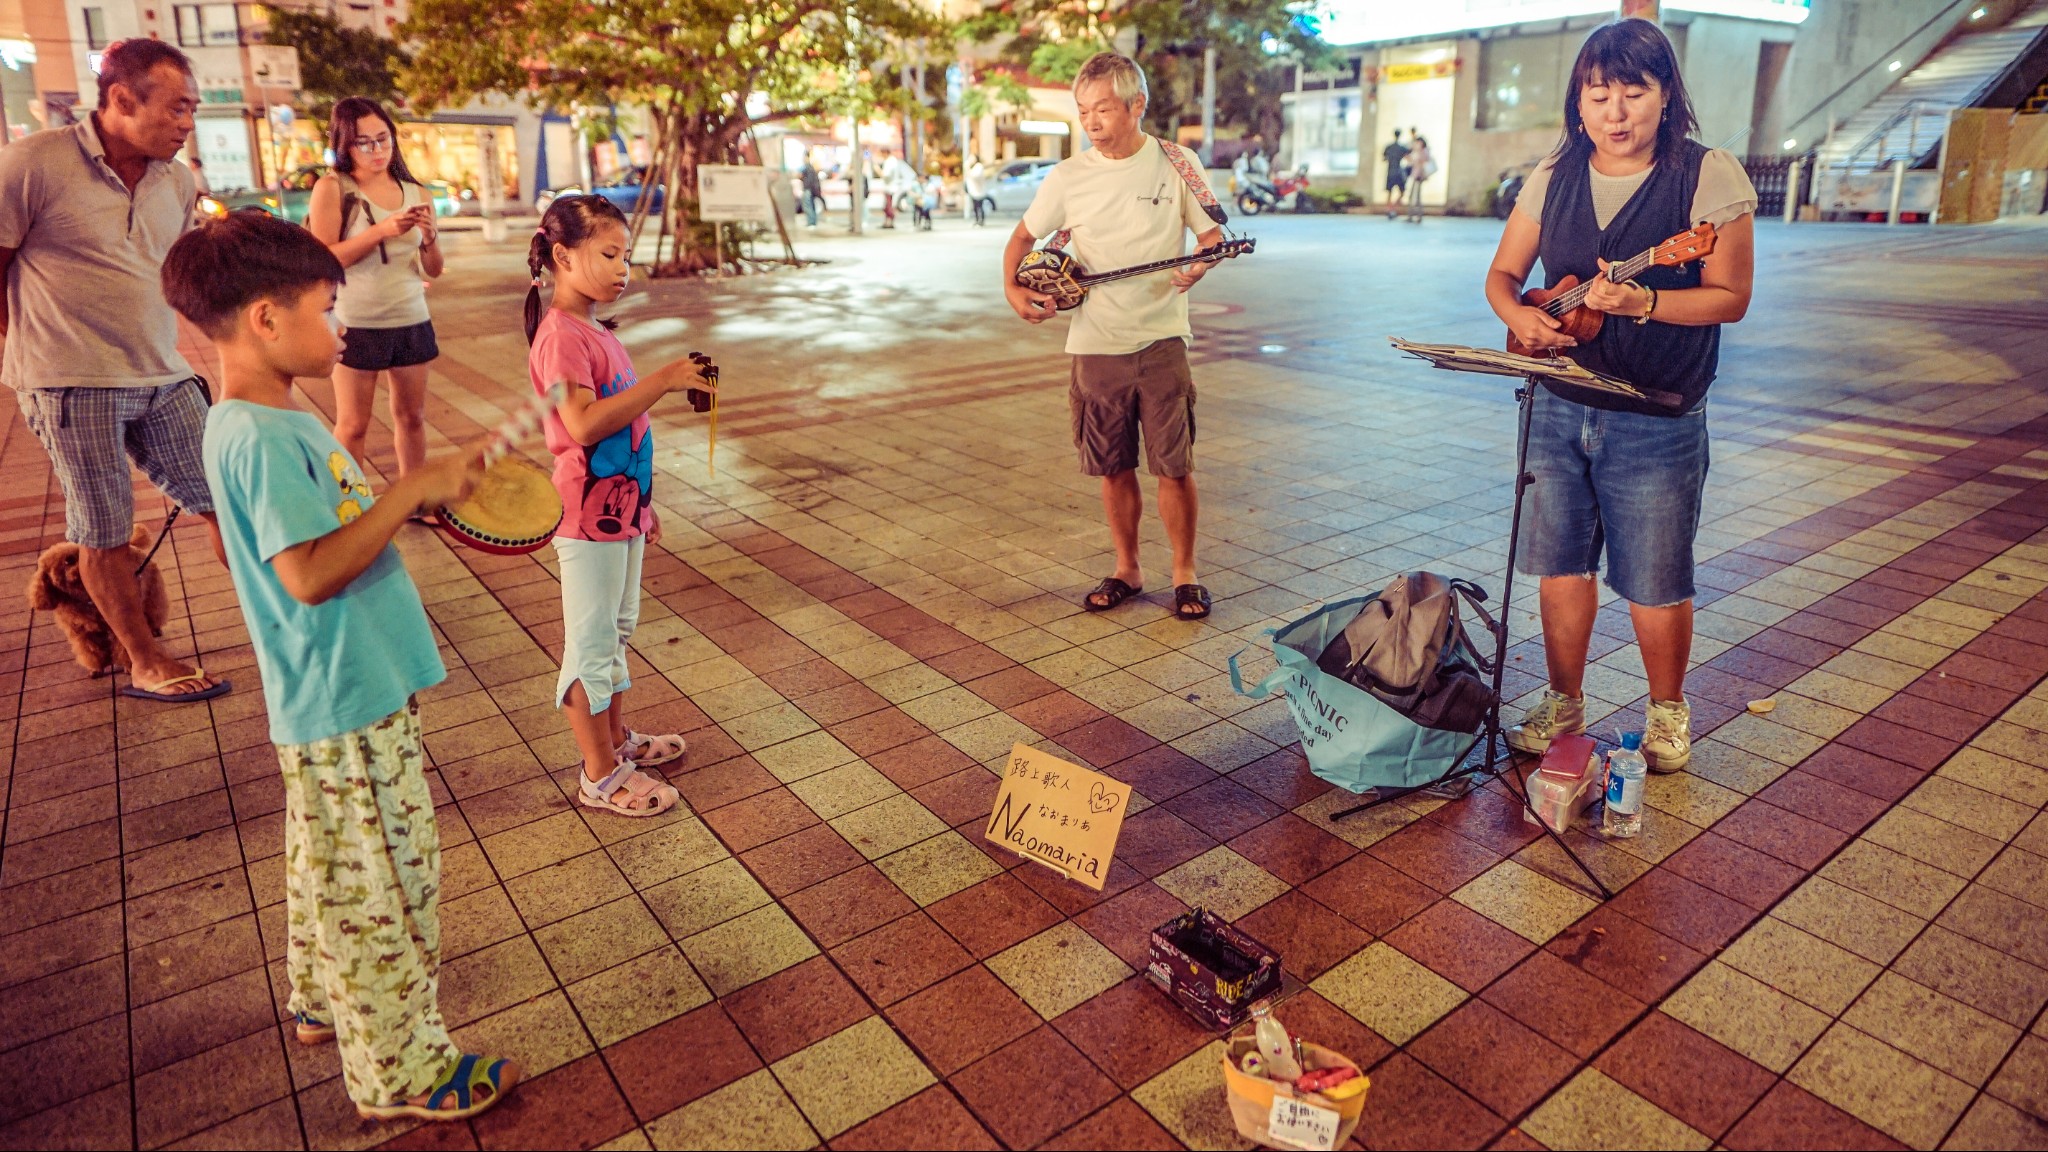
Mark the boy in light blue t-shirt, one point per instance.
(342, 643)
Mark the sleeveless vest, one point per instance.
(1667, 357)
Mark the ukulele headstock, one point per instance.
(1695, 243)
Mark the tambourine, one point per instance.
(515, 508)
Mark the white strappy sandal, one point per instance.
(627, 792)
(651, 751)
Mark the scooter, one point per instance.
(1261, 196)
(1509, 189)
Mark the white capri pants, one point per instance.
(600, 609)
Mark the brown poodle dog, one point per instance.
(58, 587)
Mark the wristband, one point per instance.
(1645, 317)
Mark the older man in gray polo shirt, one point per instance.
(87, 214)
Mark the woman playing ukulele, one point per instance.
(1614, 473)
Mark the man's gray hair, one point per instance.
(1125, 78)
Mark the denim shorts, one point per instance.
(92, 434)
(1627, 483)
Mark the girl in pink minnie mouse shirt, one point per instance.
(604, 469)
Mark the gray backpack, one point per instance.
(1408, 648)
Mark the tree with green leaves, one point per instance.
(695, 66)
(336, 62)
(1255, 40)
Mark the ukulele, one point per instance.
(1565, 302)
(1057, 274)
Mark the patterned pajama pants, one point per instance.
(362, 892)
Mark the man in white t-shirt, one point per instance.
(1127, 201)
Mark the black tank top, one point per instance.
(1665, 357)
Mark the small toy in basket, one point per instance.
(1285, 1093)
(1211, 969)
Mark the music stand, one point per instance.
(1532, 372)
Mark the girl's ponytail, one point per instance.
(568, 221)
(538, 257)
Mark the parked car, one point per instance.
(292, 201)
(623, 190)
(1016, 182)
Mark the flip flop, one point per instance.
(158, 693)
(1187, 596)
(1113, 592)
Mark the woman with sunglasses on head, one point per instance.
(379, 222)
(1612, 474)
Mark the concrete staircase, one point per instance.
(1908, 119)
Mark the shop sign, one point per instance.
(220, 95)
(1410, 73)
(1058, 814)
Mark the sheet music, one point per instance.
(1497, 362)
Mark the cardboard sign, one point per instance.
(1299, 1124)
(729, 193)
(1059, 814)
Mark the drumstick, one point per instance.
(523, 423)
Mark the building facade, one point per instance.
(250, 135)
(1485, 81)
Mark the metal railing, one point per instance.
(1879, 140)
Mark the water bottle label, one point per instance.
(1615, 784)
(1627, 800)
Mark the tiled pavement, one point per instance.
(1831, 934)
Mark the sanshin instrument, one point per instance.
(515, 508)
(1566, 301)
(1054, 271)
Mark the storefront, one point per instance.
(1483, 82)
(457, 147)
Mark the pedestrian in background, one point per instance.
(379, 222)
(974, 182)
(87, 214)
(1421, 166)
(813, 191)
(1396, 157)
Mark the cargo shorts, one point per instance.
(92, 434)
(1118, 400)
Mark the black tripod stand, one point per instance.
(1498, 759)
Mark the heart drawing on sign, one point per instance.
(1101, 799)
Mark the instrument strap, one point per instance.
(1188, 176)
(1195, 183)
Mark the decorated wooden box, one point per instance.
(1211, 969)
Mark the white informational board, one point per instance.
(730, 193)
(274, 65)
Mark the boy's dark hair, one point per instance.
(569, 222)
(341, 136)
(1628, 51)
(129, 63)
(223, 266)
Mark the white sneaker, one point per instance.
(1555, 715)
(1667, 736)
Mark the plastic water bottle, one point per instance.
(1623, 814)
